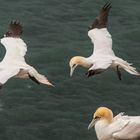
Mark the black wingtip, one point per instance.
(34, 79)
(15, 22)
(107, 6)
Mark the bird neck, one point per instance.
(82, 61)
(108, 119)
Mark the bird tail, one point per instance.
(127, 67)
(38, 78)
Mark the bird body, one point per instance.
(120, 127)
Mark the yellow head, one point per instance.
(77, 60)
(102, 113)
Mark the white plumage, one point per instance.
(103, 56)
(121, 127)
(102, 41)
(13, 63)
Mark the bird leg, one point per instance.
(33, 79)
(119, 73)
(90, 73)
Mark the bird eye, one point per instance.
(97, 117)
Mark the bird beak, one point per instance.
(92, 123)
(71, 71)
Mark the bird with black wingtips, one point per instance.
(103, 56)
(120, 127)
(13, 63)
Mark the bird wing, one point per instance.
(15, 29)
(6, 73)
(36, 76)
(99, 34)
(130, 129)
(15, 49)
(102, 41)
(102, 18)
(15, 46)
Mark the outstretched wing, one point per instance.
(101, 19)
(15, 29)
(99, 34)
(15, 49)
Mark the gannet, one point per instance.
(13, 63)
(103, 56)
(120, 127)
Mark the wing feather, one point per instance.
(15, 29)
(131, 130)
(15, 50)
(102, 18)
(102, 41)
(99, 34)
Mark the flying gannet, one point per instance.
(103, 56)
(13, 63)
(120, 127)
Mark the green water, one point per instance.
(55, 31)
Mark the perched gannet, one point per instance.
(119, 127)
(103, 56)
(13, 63)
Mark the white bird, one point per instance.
(103, 56)
(119, 127)
(13, 63)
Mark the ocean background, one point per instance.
(55, 31)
